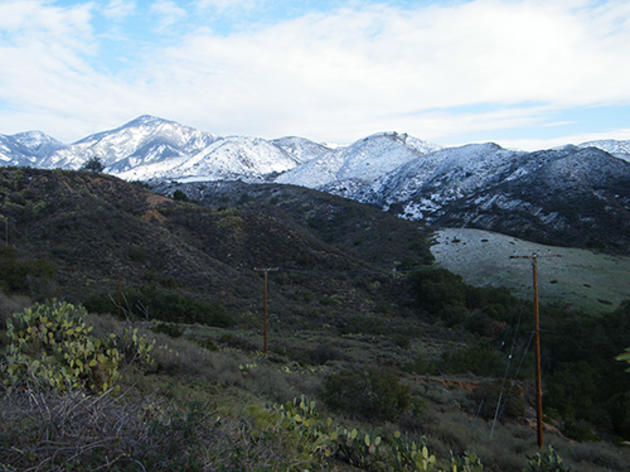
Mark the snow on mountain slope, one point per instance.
(359, 163)
(143, 140)
(302, 149)
(37, 143)
(151, 147)
(27, 148)
(619, 149)
(233, 158)
(441, 175)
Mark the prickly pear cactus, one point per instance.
(547, 460)
(50, 345)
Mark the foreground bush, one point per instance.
(71, 432)
(49, 345)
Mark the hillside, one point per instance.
(411, 357)
(358, 229)
(94, 228)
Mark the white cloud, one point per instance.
(535, 144)
(331, 76)
(119, 9)
(360, 68)
(168, 12)
(222, 5)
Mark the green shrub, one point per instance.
(237, 342)
(323, 353)
(479, 359)
(364, 324)
(208, 344)
(15, 271)
(170, 329)
(437, 287)
(579, 430)
(50, 344)
(370, 393)
(164, 305)
(547, 460)
(180, 196)
(487, 395)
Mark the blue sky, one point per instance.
(526, 74)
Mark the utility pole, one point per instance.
(119, 297)
(265, 270)
(6, 231)
(539, 413)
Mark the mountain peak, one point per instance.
(146, 120)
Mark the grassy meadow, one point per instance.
(578, 279)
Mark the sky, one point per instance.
(525, 74)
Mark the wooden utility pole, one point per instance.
(539, 413)
(119, 297)
(6, 231)
(266, 270)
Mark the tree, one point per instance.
(94, 165)
(180, 196)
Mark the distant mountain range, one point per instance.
(571, 195)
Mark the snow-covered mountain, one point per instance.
(358, 164)
(145, 140)
(567, 192)
(153, 148)
(617, 148)
(27, 149)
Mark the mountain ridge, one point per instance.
(583, 190)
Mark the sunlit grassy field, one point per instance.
(579, 278)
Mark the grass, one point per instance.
(580, 279)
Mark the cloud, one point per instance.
(535, 144)
(119, 9)
(331, 76)
(362, 68)
(168, 12)
(222, 5)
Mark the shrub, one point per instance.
(323, 353)
(546, 461)
(164, 305)
(580, 430)
(370, 393)
(15, 272)
(479, 359)
(237, 342)
(438, 287)
(208, 343)
(180, 196)
(170, 329)
(51, 346)
(441, 293)
(487, 396)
